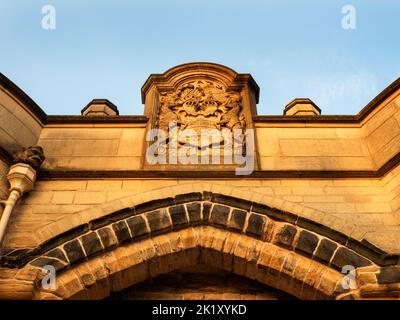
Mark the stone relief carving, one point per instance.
(33, 156)
(201, 105)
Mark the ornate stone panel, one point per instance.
(205, 111)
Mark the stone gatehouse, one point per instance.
(317, 216)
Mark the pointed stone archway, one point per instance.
(129, 241)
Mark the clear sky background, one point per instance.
(107, 49)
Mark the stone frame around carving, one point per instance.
(174, 79)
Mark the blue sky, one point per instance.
(107, 49)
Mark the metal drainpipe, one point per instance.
(8, 209)
(22, 178)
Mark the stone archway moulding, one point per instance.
(280, 244)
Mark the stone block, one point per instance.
(219, 215)
(231, 201)
(194, 212)
(91, 243)
(306, 243)
(344, 256)
(159, 220)
(121, 231)
(45, 261)
(138, 226)
(74, 251)
(206, 209)
(107, 237)
(285, 235)
(63, 197)
(188, 197)
(256, 225)
(237, 219)
(178, 216)
(325, 251)
(154, 204)
(388, 275)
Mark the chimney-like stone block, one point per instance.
(100, 108)
(302, 107)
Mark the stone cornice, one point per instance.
(213, 174)
(31, 105)
(50, 120)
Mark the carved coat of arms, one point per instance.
(200, 105)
